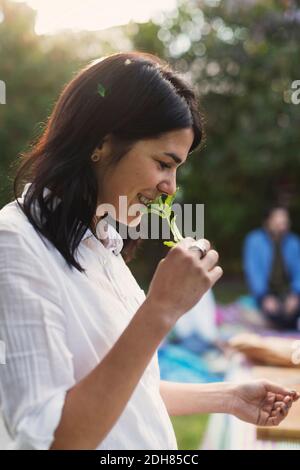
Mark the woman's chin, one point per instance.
(132, 216)
(130, 221)
(134, 221)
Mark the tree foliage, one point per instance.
(241, 56)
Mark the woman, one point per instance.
(81, 336)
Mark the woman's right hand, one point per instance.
(181, 279)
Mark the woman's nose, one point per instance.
(168, 186)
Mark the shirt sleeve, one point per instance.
(38, 369)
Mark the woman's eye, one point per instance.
(163, 165)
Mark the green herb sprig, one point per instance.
(163, 208)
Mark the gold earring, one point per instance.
(95, 157)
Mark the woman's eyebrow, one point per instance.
(174, 156)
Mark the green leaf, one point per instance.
(169, 200)
(101, 90)
(164, 210)
(170, 244)
(153, 210)
(175, 231)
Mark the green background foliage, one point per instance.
(242, 58)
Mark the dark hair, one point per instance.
(132, 95)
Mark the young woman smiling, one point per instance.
(81, 336)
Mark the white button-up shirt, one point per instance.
(57, 325)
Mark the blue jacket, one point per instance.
(258, 258)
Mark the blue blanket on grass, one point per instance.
(179, 365)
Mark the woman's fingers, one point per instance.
(211, 256)
(290, 397)
(189, 241)
(203, 243)
(288, 401)
(210, 260)
(294, 394)
(278, 389)
(215, 274)
(274, 421)
(280, 409)
(279, 397)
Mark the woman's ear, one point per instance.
(103, 149)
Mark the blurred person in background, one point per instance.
(81, 336)
(271, 258)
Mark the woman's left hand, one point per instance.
(262, 403)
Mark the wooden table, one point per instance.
(227, 432)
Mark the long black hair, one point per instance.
(132, 96)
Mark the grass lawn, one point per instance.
(189, 430)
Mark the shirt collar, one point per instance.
(106, 233)
(109, 236)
